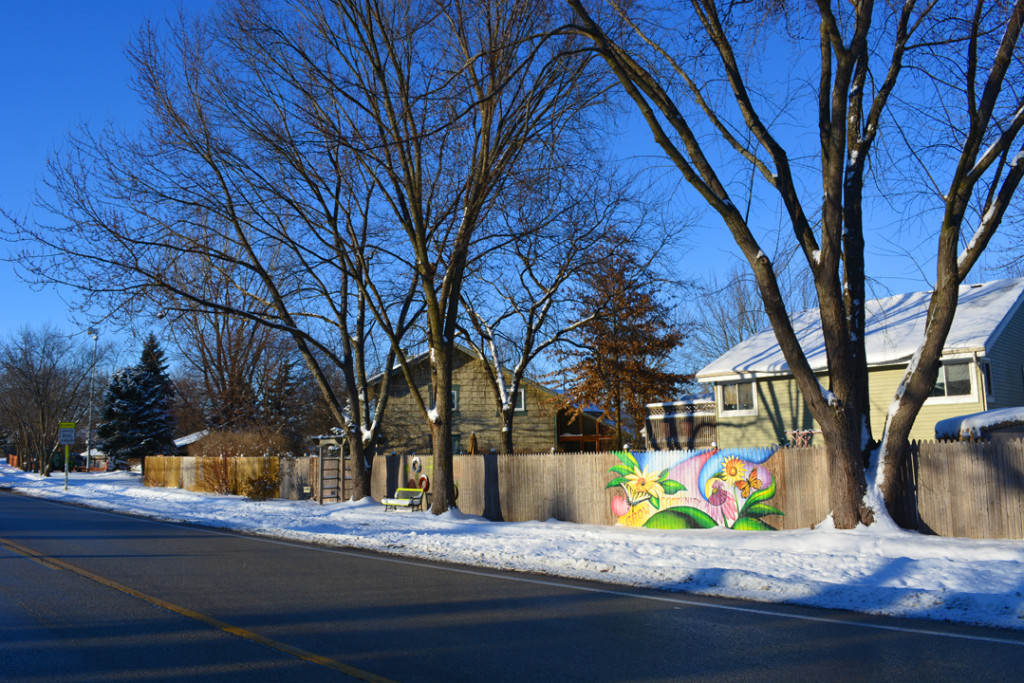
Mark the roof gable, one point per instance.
(424, 356)
(894, 329)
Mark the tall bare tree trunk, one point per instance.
(443, 484)
(508, 416)
(846, 109)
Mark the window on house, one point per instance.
(986, 370)
(738, 397)
(456, 443)
(455, 397)
(521, 400)
(954, 380)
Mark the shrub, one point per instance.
(240, 444)
(222, 466)
(216, 474)
(262, 486)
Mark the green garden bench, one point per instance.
(405, 498)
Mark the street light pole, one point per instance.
(92, 376)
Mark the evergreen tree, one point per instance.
(155, 365)
(618, 361)
(136, 419)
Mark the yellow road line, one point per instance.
(191, 614)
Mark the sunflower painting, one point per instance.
(694, 489)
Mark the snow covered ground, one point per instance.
(879, 570)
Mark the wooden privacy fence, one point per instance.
(228, 475)
(572, 487)
(516, 488)
(974, 490)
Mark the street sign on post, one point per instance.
(66, 437)
(66, 434)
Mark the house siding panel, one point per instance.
(989, 323)
(780, 410)
(407, 432)
(1007, 364)
(883, 382)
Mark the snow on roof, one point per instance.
(972, 425)
(690, 400)
(894, 328)
(190, 438)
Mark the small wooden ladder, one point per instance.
(330, 479)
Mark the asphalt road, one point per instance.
(92, 596)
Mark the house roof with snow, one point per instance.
(190, 438)
(894, 328)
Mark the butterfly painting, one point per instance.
(750, 484)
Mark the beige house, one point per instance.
(538, 427)
(758, 403)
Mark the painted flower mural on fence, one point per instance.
(640, 485)
(694, 489)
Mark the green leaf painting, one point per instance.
(756, 499)
(751, 524)
(760, 510)
(672, 487)
(681, 518)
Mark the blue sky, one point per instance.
(62, 63)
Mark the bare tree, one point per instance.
(44, 379)
(448, 104)
(241, 375)
(345, 155)
(940, 76)
(723, 311)
(518, 302)
(237, 200)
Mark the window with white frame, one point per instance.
(954, 380)
(738, 398)
(520, 401)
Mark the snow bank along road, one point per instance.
(879, 570)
